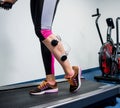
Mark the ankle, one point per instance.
(70, 75)
(52, 82)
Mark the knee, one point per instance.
(54, 43)
(42, 33)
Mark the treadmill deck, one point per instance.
(20, 98)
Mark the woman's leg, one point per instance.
(48, 12)
(55, 46)
(47, 56)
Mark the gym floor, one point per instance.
(89, 74)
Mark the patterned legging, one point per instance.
(43, 12)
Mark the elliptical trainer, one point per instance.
(109, 54)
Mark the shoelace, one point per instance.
(43, 85)
(72, 81)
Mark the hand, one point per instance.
(7, 4)
(9, 1)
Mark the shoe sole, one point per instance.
(79, 79)
(45, 92)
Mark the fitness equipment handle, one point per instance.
(97, 14)
(97, 26)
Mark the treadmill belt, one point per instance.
(20, 98)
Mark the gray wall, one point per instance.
(20, 56)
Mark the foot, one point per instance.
(44, 88)
(75, 80)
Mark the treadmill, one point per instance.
(91, 95)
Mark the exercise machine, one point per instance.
(109, 54)
(91, 95)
